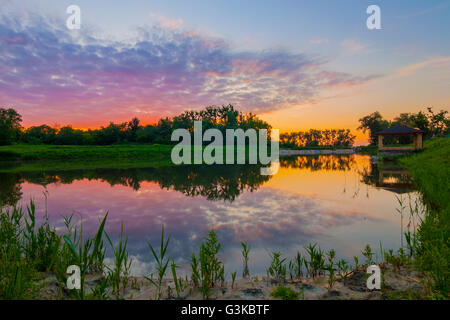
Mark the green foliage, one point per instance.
(245, 252)
(356, 260)
(296, 266)
(221, 118)
(118, 274)
(430, 244)
(433, 124)
(316, 263)
(176, 281)
(16, 272)
(162, 262)
(368, 254)
(277, 267)
(9, 126)
(284, 293)
(233, 279)
(331, 268)
(373, 123)
(343, 269)
(207, 269)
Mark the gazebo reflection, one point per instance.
(389, 177)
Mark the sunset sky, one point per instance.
(297, 64)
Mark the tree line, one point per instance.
(433, 124)
(222, 118)
(317, 138)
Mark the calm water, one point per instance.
(339, 202)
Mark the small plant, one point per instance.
(233, 279)
(284, 293)
(195, 276)
(161, 263)
(177, 283)
(207, 269)
(277, 267)
(295, 266)
(368, 254)
(119, 272)
(100, 290)
(356, 260)
(316, 262)
(343, 268)
(330, 268)
(245, 252)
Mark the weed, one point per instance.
(161, 263)
(284, 293)
(277, 267)
(119, 272)
(245, 252)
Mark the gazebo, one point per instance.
(399, 131)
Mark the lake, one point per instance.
(338, 202)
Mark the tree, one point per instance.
(9, 126)
(373, 123)
(132, 128)
(42, 134)
(69, 136)
(439, 123)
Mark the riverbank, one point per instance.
(398, 283)
(26, 158)
(430, 170)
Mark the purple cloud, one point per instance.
(51, 74)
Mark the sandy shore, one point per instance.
(397, 283)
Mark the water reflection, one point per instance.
(310, 199)
(319, 163)
(389, 177)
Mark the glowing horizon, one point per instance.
(312, 71)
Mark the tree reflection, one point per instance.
(212, 182)
(320, 162)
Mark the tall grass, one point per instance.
(430, 245)
(162, 262)
(207, 269)
(118, 274)
(245, 253)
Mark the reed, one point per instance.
(118, 274)
(176, 281)
(162, 263)
(368, 254)
(245, 253)
(315, 265)
(331, 268)
(277, 267)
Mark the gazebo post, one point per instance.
(418, 141)
(380, 141)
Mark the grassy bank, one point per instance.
(23, 157)
(27, 157)
(26, 152)
(430, 170)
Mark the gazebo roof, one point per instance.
(398, 130)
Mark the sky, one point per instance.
(297, 64)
